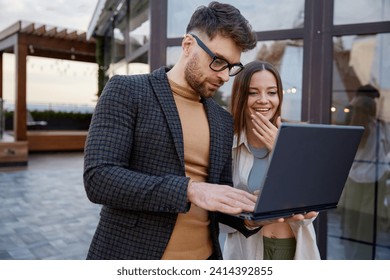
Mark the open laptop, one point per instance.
(308, 168)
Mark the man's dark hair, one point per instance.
(226, 20)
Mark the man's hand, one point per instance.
(222, 198)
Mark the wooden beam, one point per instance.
(63, 55)
(60, 45)
(10, 30)
(20, 116)
(39, 141)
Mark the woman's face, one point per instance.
(263, 95)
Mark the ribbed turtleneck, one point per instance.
(184, 92)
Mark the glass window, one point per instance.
(118, 36)
(360, 227)
(286, 55)
(260, 14)
(361, 11)
(173, 54)
(138, 68)
(119, 68)
(139, 24)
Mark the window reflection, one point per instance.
(286, 55)
(139, 24)
(128, 54)
(118, 36)
(118, 44)
(361, 88)
(361, 11)
(289, 14)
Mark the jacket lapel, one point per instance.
(164, 95)
(216, 138)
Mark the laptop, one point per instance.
(308, 168)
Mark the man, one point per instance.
(158, 152)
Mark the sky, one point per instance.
(72, 14)
(49, 80)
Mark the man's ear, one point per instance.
(187, 43)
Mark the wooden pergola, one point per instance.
(28, 39)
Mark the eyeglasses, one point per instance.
(219, 64)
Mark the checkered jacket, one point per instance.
(134, 166)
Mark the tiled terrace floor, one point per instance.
(44, 212)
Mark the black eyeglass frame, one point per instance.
(215, 57)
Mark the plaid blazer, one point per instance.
(134, 166)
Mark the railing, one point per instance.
(58, 107)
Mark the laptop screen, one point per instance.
(308, 167)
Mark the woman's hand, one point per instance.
(294, 218)
(265, 130)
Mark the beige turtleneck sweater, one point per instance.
(191, 235)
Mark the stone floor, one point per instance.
(44, 212)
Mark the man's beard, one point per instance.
(192, 74)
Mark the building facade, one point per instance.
(325, 50)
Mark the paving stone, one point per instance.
(44, 212)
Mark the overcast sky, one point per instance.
(70, 14)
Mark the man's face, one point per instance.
(199, 75)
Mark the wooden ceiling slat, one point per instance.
(28, 29)
(51, 42)
(44, 31)
(40, 30)
(72, 35)
(61, 34)
(52, 32)
(82, 36)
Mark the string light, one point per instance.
(291, 90)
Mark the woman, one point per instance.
(256, 108)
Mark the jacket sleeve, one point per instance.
(237, 224)
(128, 160)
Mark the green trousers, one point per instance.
(279, 249)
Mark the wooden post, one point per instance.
(20, 113)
